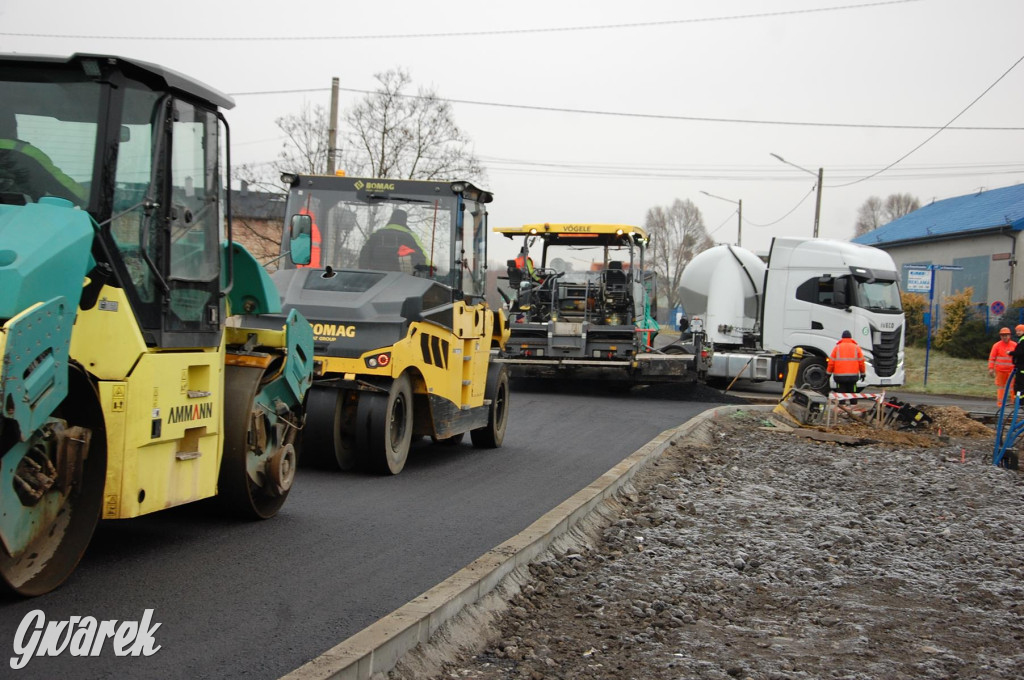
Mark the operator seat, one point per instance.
(515, 275)
(615, 280)
(615, 288)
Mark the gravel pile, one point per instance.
(759, 554)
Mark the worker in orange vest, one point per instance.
(1000, 363)
(846, 364)
(525, 263)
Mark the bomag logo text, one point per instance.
(326, 332)
(380, 186)
(182, 414)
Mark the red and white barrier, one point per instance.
(835, 398)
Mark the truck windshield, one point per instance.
(583, 262)
(48, 130)
(878, 295)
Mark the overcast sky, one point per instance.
(686, 96)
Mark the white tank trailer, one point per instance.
(809, 292)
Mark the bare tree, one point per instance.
(898, 205)
(389, 134)
(874, 213)
(677, 235)
(869, 216)
(393, 134)
(306, 143)
(303, 149)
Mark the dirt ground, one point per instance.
(760, 553)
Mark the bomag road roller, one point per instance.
(391, 275)
(125, 386)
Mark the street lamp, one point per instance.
(739, 225)
(817, 205)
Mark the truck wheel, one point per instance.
(384, 426)
(326, 441)
(813, 374)
(493, 434)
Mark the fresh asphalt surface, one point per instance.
(259, 599)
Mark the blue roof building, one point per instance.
(978, 232)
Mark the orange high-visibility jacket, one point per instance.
(847, 358)
(526, 264)
(999, 358)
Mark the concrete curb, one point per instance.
(379, 646)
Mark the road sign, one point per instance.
(919, 280)
(998, 307)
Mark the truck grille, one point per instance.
(886, 353)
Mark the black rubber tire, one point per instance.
(326, 443)
(812, 373)
(237, 492)
(493, 434)
(384, 427)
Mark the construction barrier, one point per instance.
(835, 405)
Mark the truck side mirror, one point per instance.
(300, 235)
(839, 296)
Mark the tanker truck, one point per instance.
(809, 291)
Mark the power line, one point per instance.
(936, 133)
(799, 203)
(737, 173)
(626, 173)
(466, 34)
(727, 219)
(761, 170)
(646, 116)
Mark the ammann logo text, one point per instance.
(181, 414)
(82, 636)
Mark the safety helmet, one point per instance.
(1020, 329)
(1004, 331)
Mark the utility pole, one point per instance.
(739, 226)
(332, 133)
(817, 205)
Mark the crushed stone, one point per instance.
(758, 554)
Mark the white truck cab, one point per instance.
(816, 288)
